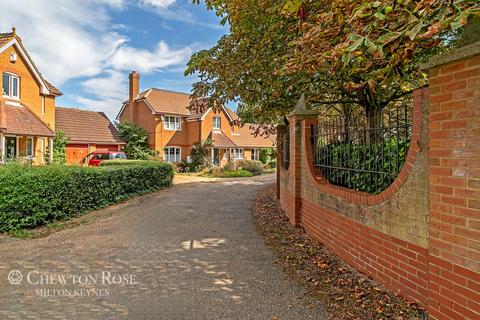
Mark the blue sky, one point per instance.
(87, 48)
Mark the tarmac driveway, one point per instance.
(191, 252)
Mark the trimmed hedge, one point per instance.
(123, 162)
(32, 196)
(235, 174)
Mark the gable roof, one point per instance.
(82, 126)
(220, 140)
(163, 101)
(12, 39)
(19, 120)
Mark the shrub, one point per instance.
(185, 167)
(126, 162)
(137, 141)
(236, 174)
(32, 196)
(200, 155)
(265, 155)
(272, 164)
(254, 167)
(59, 148)
(230, 166)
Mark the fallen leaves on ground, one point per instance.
(344, 292)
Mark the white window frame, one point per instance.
(43, 105)
(214, 124)
(11, 77)
(32, 149)
(167, 155)
(256, 154)
(175, 125)
(237, 154)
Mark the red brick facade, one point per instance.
(421, 236)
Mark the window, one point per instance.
(172, 123)
(255, 154)
(10, 85)
(237, 154)
(29, 148)
(43, 105)
(172, 154)
(216, 123)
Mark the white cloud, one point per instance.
(72, 39)
(162, 4)
(144, 61)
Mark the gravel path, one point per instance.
(191, 252)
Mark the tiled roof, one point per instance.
(163, 101)
(6, 37)
(82, 126)
(21, 121)
(246, 139)
(220, 140)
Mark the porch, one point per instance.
(26, 148)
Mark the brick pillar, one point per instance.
(297, 120)
(280, 136)
(454, 170)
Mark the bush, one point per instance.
(255, 167)
(272, 164)
(185, 167)
(32, 196)
(236, 174)
(265, 155)
(123, 162)
(137, 141)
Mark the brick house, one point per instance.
(87, 131)
(173, 129)
(27, 104)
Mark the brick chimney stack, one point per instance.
(134, 79)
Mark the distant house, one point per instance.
(27, 104)
(87, 131)
(173, 129)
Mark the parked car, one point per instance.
(95, 158)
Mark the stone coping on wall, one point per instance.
(453, 56)
(364, 198)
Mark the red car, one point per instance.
(95, 158)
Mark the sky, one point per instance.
(87, 48)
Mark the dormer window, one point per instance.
(10, 86)
(172, 123)
(217, 123)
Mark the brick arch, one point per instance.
(360, 197)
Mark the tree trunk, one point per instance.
(374, 124)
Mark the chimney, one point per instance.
(134, 85)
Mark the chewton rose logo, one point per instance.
(15, 277)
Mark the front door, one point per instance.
(10, 147)
(216, 156)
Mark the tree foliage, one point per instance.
(347, 52)
(200, 154)
(137, 141)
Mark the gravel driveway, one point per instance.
(191, 252)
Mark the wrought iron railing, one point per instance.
(361, 157)
(286, 148)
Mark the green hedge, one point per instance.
(354, 165)
(32, 196)
(123, 162)
(235, 174)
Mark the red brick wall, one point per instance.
(454, 160)
(437, 265)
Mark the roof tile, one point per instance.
(82, 126)
(21, 121)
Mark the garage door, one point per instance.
(106, 148)
(76, 152)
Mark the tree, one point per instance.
(137, 141)
(200, 154)
(337, 52)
